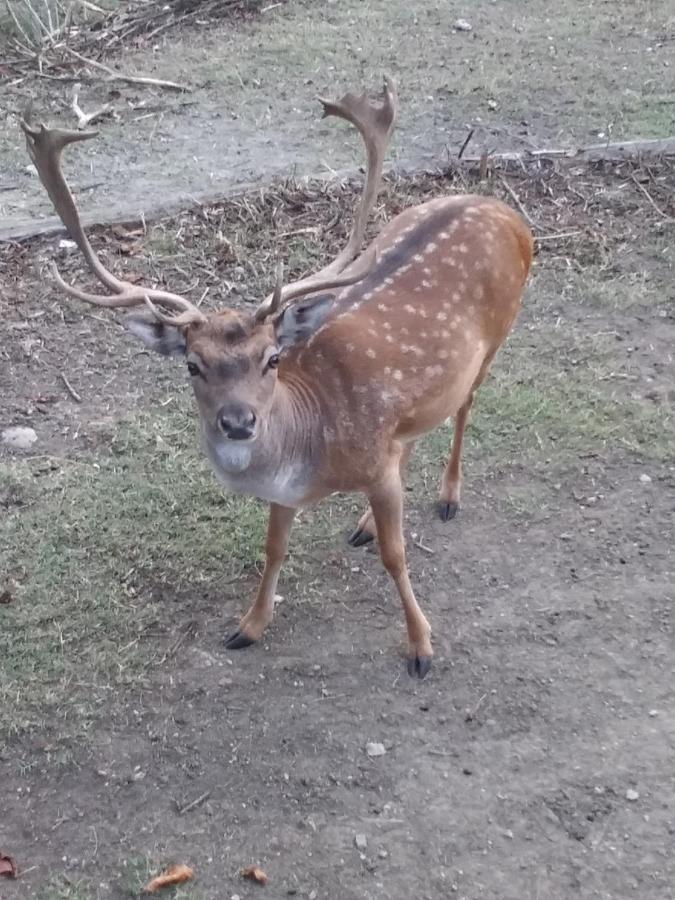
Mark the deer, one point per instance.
(328, 384)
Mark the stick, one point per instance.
(517, 201)
(556, 237)
(71, 390)
(649, 197)
(84, 119)
(128, 79)
(195, 803)
(465, 144)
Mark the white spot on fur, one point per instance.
(398, 375)
(441, 316)
(462, 248)
(410, 309)
(371, 353)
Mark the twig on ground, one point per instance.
(466, 143)
(424, 547)
(85, 119)
(129, 79)
(516, 199)
(71, 390)
(557, 237)
(649, 197)
(194, 804)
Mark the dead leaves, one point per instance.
(177, 874)
(8, 866)
(253, 873)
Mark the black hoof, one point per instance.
(418, 666)
(237, 641)
(447, 511)
(360, 537)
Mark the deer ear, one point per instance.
(165, 339)
(300, 320)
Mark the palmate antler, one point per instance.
(375, 122)
(45, 146)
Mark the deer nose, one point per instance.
(237, 424)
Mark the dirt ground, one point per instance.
(528, 74)
(536, 759)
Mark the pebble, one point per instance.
(462, 25)
(375, 749)
(19, 438)
(653, 713)
(361, 841)
(383, 854)
(632, 795)
(645, 479)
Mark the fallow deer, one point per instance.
(328, 394)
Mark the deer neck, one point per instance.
(280, 464)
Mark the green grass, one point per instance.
(92, 548)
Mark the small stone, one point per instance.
(383, 854)
(653, 713)
(492, 104)
(19, 438)
(632, 795)
(361, 842)
(462, 25)
(375, 749)
(65, 244)
(645, 479)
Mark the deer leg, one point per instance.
(451, 484)
(366, 531)
(256, 620)
(387, 507)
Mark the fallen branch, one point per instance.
(112, 75)
(85, 119)
(620, 150)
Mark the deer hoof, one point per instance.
(418, 666)
(360, 538)
(447, 511)
(238, 640)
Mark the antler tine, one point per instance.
(45, 146)
(310, 286)
(375, 122)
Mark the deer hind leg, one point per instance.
(387, 507)
(256, 620)
(366, 530)
(451, 483)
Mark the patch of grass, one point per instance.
(66, 889)
(535, 406)
(92, 548)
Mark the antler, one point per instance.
(45, 146)
(375, 122)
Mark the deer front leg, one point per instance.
(366, 530)
(387, 506)
(260, 614)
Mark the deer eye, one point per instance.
(273, 361)
(193, 369)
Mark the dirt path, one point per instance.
(527, 75)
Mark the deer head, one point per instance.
(233, 357)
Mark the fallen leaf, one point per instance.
(8, 866)
(253, 873)
(6, 597)
(177, 874)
